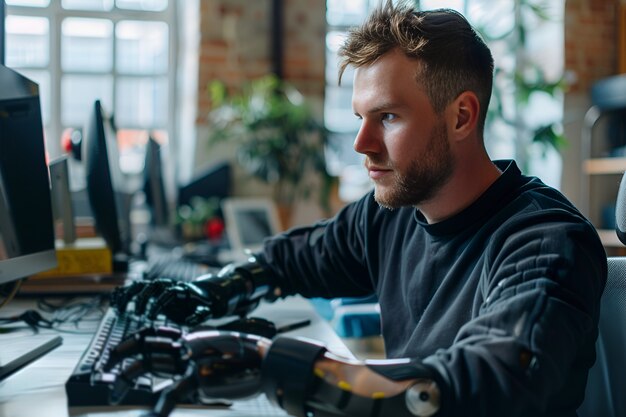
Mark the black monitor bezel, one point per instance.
(104, 198)
(154, 184)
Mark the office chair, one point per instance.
(605, 394)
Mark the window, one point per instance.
(118, 51)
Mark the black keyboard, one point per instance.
(174, 267)
(88, 386)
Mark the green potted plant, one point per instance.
(278, 139)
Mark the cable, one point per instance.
(59, 315)
(74, 311)
(7, 293)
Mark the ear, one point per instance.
(463, 116)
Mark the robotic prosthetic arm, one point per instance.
(301, 376)
(235, 290)
(297, 375)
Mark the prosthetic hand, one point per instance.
(297, 375)
(204, 365)
(237, 289)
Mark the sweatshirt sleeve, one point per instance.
(326, 259)
(528, 351)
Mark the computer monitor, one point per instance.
(26, 229)
(212, 182)
(108, 196)
(154, 185)
(249, 221)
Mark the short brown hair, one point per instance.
(453, 57)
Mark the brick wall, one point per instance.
(590, 41)
(235, 45)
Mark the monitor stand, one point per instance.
(21, 351)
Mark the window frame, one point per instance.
(55, 13)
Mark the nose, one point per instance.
(366, 141)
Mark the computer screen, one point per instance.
(249, 221)
(154, 184)
(26, 230)
(26, 227)
(108, 196)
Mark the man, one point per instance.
(488, 281)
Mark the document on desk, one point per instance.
(259, 406)
(296, 309)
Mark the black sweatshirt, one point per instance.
(502, 299)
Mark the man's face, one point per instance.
(405, 142)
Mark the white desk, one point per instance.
(39, 388)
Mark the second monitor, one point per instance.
(154, 185)
(249, 221)
(108, 197)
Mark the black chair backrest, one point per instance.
(620, 211)
(609, 93)
(605, 394)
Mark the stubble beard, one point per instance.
(423, 178)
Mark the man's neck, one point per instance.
(471, 178)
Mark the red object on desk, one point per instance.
(214, 228)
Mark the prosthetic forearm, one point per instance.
(237, 288)
(300, 376)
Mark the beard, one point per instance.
(423, 178)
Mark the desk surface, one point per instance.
(39, 388)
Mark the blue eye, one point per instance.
(387, 117)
